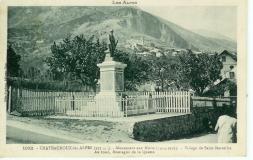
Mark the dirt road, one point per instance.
(43, 130)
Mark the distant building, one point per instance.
(197, 52)
(39, 41)
(229, 61)
(228, 73)
(175, 52)
(158, 54)
(133, 43)
(144, 53)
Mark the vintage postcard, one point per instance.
(120, 78)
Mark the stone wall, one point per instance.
(177, 126)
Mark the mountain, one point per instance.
(212, 34)
(34, 29)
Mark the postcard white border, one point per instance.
(238, 149)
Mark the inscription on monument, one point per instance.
(107, 81)
(119, 81)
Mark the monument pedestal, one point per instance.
(111, 82)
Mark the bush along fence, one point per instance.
(35, 103)
(203, 118)
(46, 85)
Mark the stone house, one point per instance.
(228, 72)
(229, 61)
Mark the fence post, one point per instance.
(191, 103)
(18, 107)
(214, 103)
(73, 102)
(9, 100)
(176, 101)
(126, 105)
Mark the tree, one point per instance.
(222, 87)
(33, 73)
(163, 71)
(78, 57)
(13, 59)
(137, 71)
(198, 71)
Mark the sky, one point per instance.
(218, 19)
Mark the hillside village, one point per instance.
(146, 48)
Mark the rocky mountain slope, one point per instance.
(33, 29)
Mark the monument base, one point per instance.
(109, 103)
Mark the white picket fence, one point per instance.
(176, 101)
(88, 107)
(86, 104)
(158, 102)
(43, 103)
(131, 104)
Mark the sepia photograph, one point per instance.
(123, 73)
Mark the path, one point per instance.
(22, 136)
(61, 130)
